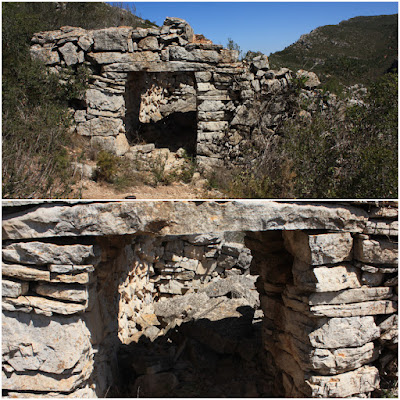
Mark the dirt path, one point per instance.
(91, 190)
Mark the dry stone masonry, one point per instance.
(84, 280)
(164, 87)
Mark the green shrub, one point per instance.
(106, 167)
(35, 118)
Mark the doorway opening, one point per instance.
(161, 109)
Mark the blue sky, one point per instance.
(259, 26)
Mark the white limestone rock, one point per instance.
(100, 126)
(111, 39)
(326, 278)
(376, 251)
(39, 253)
(379, 227)
(45, 54)
(104, 101)
(346, 296)
(85, 41)
(360, 381)
(324, 361)
(312, 80)
(180, 218)
(25, 272)
(149, 43)
(77, 294)
(323, 333)
(70, 54)
(41, 305)
(318, 249)
(13, 289)
(47, 354)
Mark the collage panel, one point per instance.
(199, 199)
(99, 103)
(199, 299)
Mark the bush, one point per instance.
(345, 152)
(35, 119)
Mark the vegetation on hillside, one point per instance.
(358, 50)
(347, 152)
(35, 117)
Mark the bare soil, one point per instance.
(88, 189)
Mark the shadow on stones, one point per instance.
(201, 358)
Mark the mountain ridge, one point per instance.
(357, 50)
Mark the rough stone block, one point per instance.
(41, 305)
(104, 101)
(149, 43)
(75, 293)
(45, 54)
(25, 273)
(111, 39)
(318, 249)
(326, 278)
(362, 380)
(323, 361)
(40, 253)
(376, 251)
(70, 54)
(13, 289)
(100, 126)
(54, 345)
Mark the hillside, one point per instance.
(355, 51)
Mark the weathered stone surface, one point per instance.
(376, 251)
(25, 273)
(379, 227)
(13, 289)
(344, 332)
(111, 39)
(320, 249)
(63, 292)
(40, 253)
(104, 101)
(149, 43)
(347, 310)
(384, 212)
(312, 80)
(45, 54)
(100, 126)
(41, 305)
(342, 296)
(326, 278)
(178, 54)
(176, 218)
(44, 352)
(71, 54)
(362, 380)
(85, 42)
(323, 333)
(324, 361)
(260, 62)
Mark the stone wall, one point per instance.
(74, 291)
(163, 87)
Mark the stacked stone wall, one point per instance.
(329, 296)
(330, 307)
(140, 78)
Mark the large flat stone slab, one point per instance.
(178, 218)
